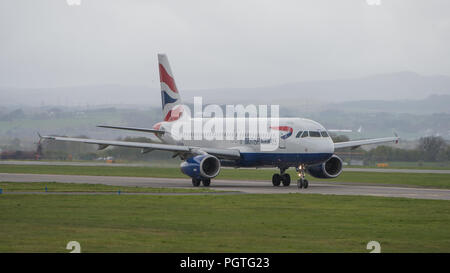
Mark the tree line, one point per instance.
(429, 149)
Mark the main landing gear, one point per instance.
(281, 178)
(302, 182)
(196, 182)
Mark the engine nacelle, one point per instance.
(330, 169)
(201, 166)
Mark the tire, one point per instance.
(276, 180)
(286, 179)
(196, 182)
(300, 183)
(305, 184)
(206, 182)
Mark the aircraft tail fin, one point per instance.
(170, 97)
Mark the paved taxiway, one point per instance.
(261, 187)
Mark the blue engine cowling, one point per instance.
(329, 169)
(201, 166)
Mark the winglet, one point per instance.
(396, 135)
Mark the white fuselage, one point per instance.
(291, 147)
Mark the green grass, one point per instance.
(411, 165)
(94, 170)
(430, 180)
(75, 187)
(406, 179)
(232, 223)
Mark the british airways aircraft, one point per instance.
(302, 143)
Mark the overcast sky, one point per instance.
(230, 43)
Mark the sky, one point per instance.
(219, 44)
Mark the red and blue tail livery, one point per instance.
(171, 102)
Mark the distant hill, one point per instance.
(431, 104)
(395, 86)
(310, 96)
(80, 95)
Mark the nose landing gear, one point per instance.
(302, 182)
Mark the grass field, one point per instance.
(73, 187)
(411, 165)
(406, 179)
(231, 223)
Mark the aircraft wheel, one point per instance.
(196, 182)
(276, 180)
(206, 182)
(286, 179)
(300, 183)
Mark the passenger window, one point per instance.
(305, 134)
(324, 134)
(314, 134)
(299, 134)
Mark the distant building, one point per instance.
(30, 155)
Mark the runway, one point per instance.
(248, 187)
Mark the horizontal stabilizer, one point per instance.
(147, 130)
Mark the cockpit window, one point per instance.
(314, 134)
(305, 134)
(324, 134)
(299, 134)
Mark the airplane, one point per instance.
(303, 143)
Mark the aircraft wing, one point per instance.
(147, 130)
(147, 147)
(339, 130)
(357, 143)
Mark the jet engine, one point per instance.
(201, 166)
(329, 169)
